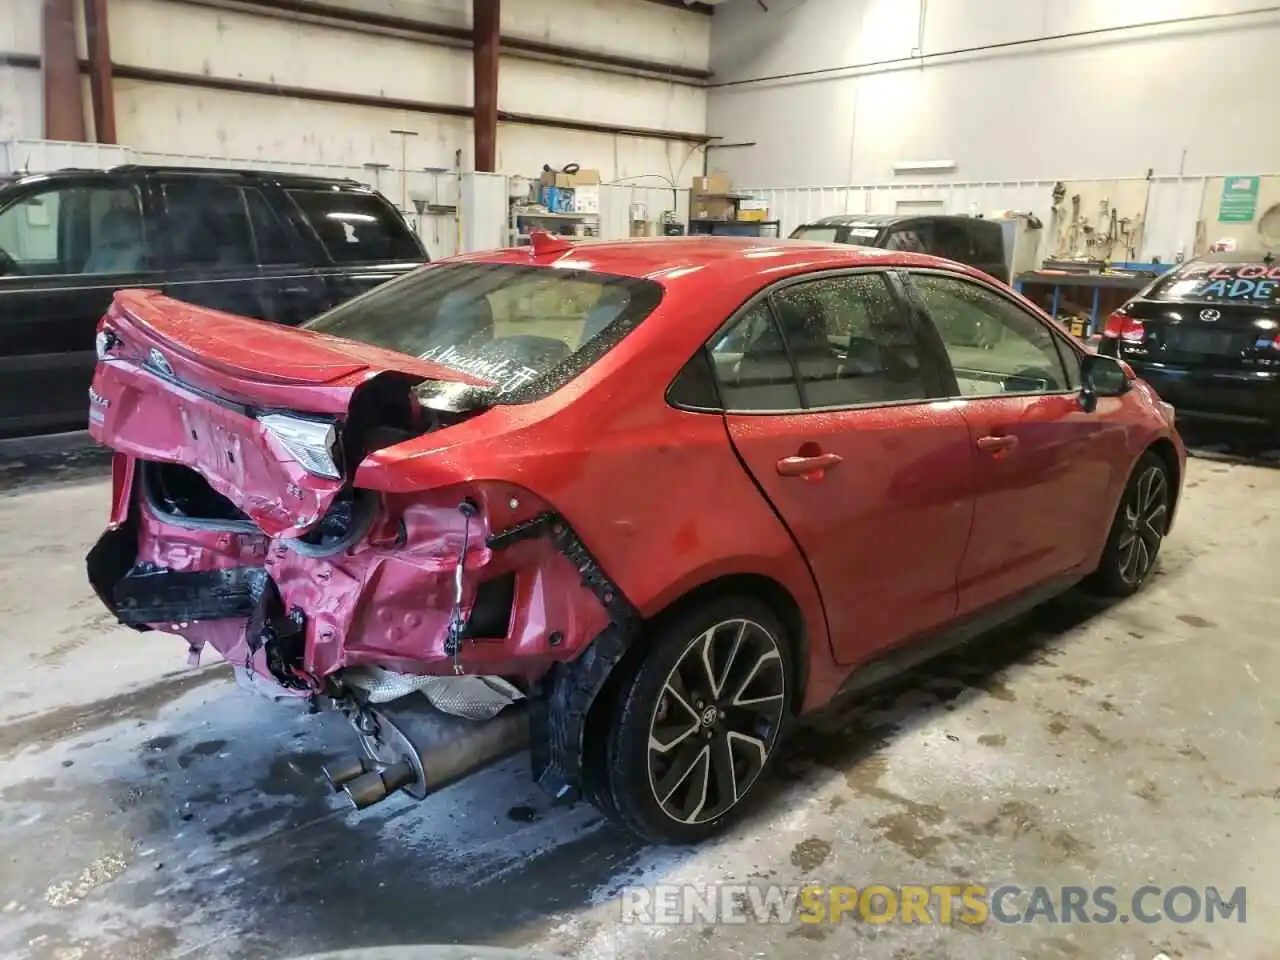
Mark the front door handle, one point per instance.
(997, 444)
(811, 468)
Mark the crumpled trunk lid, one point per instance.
(182, 384)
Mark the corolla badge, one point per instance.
(156, 359)
(1210, 315)
(97, 407)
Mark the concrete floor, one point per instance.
(151, 812)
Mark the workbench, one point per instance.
(1120, 287)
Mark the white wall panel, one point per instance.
(645, 31)
(559, 90)
(20, 26)
(21, 94)
(244, 46)
(21, 103)
(523, 150)
(275, 50)
(620, 27)
(1168, 207)
(1175, 98)
(176, 119)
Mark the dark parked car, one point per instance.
(972, 241)
(1206, 335)
(266, 245)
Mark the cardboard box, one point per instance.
(586, 199)
(716, 183)
(712, 209)
(557, 199)
(583, 178)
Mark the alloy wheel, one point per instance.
(1146, 518)
(716, 721)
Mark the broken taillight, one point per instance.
(1124, 327)
(106, 341)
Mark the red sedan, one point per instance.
(640, 503)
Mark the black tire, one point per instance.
(732, 738)
(1137, 531)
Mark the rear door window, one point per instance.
(752, 364)
(911, 238)
(850, 342)
(988, 242)
(357, 227)
(208, 223)
(951, 242)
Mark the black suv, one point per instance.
(972, 241)
(268, 245)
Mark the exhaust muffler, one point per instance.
(412, 746)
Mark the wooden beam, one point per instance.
(101, 88)
(63, 106)
(486, 15)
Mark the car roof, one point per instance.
(1233, 256)
(664, 259)
(887, 219)
(283, 178)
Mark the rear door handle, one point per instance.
(997, 444)
(814, 466)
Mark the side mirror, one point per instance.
(1101, 377)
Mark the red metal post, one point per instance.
(100, 81)
(63, 107)
(485, 25)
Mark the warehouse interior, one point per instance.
(155, 810)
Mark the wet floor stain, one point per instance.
(1191, 620)
(1077, 680)
(816, 932)
(811, 853)
(1058, 725)
(206, 748)
(523, 814)
(1013, 819)
(1148, 791)
(906, 831)
(46, 728)
(993, 740)
(998, 690)
(1261, 794)
(1093, 731)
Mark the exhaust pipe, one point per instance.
(419, 749)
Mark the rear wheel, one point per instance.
(1138, 530)
(695, 726)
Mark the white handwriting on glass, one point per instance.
(504, 374)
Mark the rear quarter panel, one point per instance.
(657, 494)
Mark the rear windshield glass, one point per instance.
(817, 234)
(1244, 282)
(525, 330)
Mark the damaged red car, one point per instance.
(638, 504)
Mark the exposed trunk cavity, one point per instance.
(238, 520)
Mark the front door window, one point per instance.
(73, 230)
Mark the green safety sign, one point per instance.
(1239, 202)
